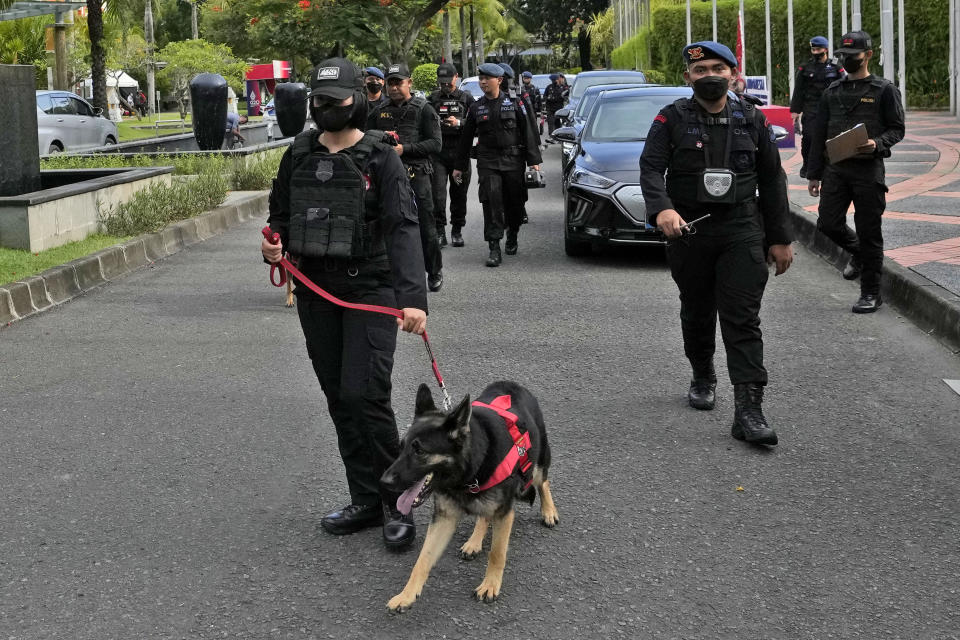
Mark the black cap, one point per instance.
(336, 78)
(855, 42)
(445, 72)
(398, 71)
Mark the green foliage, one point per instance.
(654, 76)
(17, 264)
(633, 53)
(258, 173)
(926, 41)
(158, 205)
(424, 77)
(188, 58)
(192, 164)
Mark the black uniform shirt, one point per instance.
(869, 168)
(813, 77)
(451, 135)
(388, 117)
(771, 180)
(489, 155)
(398, 224)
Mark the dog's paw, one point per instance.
(289, 305)
(402, 601)
(550, 518)
(489, 590)
(469, 551)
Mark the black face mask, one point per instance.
(852, 65)
(374, 87)
(820, 57)
(331, 118)
(711, 88)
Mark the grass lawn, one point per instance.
(16, 264)
(127, 132)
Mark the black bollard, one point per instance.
(208, 103)
(290, 101)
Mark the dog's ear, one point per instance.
(458, 422)
(424, 400)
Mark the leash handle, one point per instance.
(275, 267)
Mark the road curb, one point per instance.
(24, 298)
(931, 307)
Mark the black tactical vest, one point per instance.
(446, 106)
(404, 119)
(498, 125)
(853, 102)
(334, 209)
(691, 148)
(818, 76)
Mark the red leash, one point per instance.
(285, 265)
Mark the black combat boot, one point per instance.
(703, 386)
(442, 236)
(455, 238)
(748, 421)
(398, 529)
(852, 270)
(352, 518)
(495, 258)
(511, 245)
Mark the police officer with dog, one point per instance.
(417, 126)
(451, 104)
(720, 160)
(813, 77)
(859, 98)
(343, 207)
(505, 146)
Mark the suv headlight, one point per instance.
(589, 179)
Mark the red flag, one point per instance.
(740, 44)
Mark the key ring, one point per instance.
(689, 228)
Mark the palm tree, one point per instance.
(98, 55)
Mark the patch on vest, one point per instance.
(328, 73)
(867, 100)
(324, 170)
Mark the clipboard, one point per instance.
(844, 146)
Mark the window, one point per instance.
(81, 107)
(45, 104)
(63, 105)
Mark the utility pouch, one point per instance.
(717, 186)
(534, 179)
(328, 235)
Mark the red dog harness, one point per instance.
(517, 458)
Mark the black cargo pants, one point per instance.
(442, 175)
(423, 192)
(352, 355)
(723, 276)
(869, 200)
(502, 194)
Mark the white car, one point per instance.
(67, 122)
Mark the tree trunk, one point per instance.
(464, 54)
(98, 55)
(583, 44)
(447, 45)
(193, 19)
(481, 53)
(151, 70)
(473, 44)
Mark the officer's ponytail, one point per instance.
(358, 119)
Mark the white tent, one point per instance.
(115, 80)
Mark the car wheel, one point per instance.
(109, 141)
(54, 148)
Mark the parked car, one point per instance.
(586, 79)
(603, 204)
(67, 122)
(471, 84)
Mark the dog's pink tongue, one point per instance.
(407, 498)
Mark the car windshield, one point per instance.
(585, 82)
(473, 87)
(624, 118)
(583, 107)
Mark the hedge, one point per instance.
(926, 38)
(424, 77)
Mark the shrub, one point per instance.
(257, 174)
(424, 77)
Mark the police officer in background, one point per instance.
(517, 93)
(373, 80)
(812, 78)
(858, 98)
(554, 97)
(717, 153)
(451, 104)
(505, 146)
(346, 179)
(532, 92)
(418, 128)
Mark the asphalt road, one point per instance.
(165, 458)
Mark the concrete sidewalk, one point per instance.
(921, 226)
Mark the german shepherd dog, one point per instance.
(452, 455)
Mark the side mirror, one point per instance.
(565, 134)
(562, 113)
(779, 133)
(98, 111)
